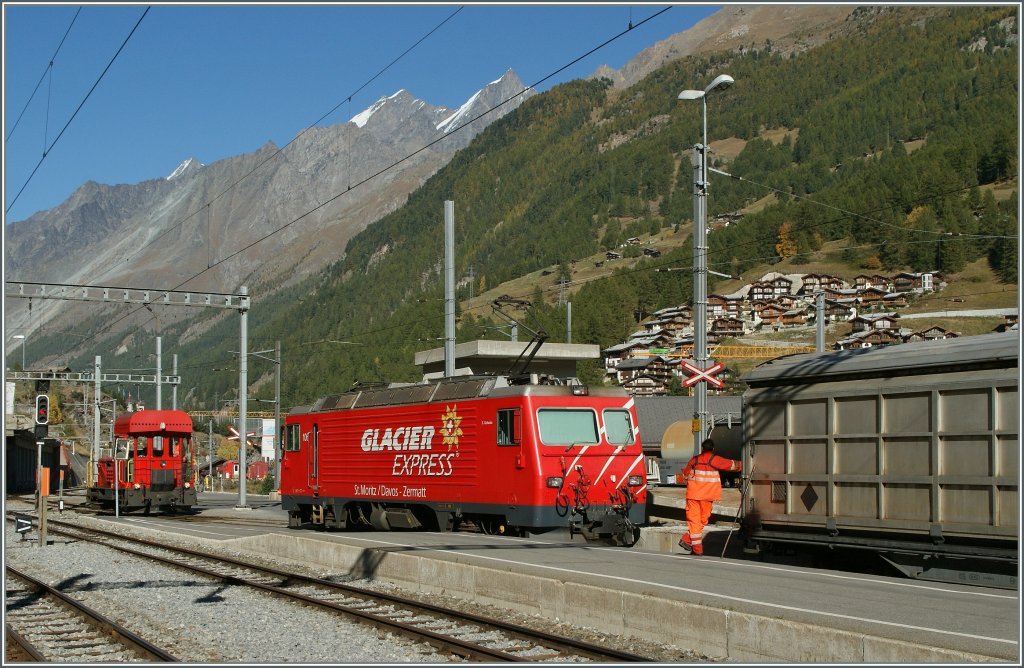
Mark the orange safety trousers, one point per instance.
(698, 512)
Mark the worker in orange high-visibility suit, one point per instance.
(703, 488)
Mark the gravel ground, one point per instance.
(206, 622)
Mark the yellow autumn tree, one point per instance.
(786, 247)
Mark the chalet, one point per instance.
(658, 338)
(931, 334)
(928, 281)
(832, 282)
(811, 283)
(871, 297)
(673, 311)
(782, 285)
(837, 310)
(727, 326)
(612, 255)
(787, 301)
(864, 323)
(772, 314)
(717, 306)
(868, 339)
(652, 252)
(632, 241)
(725, 304)
(614, 355)
(895, 300)
(794, 317)
(864, 281)
(646, 376)
(673, 325)
(760, 291)
(643, 385)
(840, 293)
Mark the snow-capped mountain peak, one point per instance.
(188, 164)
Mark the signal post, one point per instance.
(42, 474)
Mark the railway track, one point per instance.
(463, 635)
(46, 625)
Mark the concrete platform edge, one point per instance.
(717, 633)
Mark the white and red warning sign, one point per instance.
(703, 374)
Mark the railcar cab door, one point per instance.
(510, 433)
(313, 457)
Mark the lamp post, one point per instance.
(700, 254)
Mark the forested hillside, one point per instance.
(892, 138)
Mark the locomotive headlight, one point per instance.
(554, 481)
(635, 480)
(138, 486)
(188, 485)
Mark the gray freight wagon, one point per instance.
(910, 451)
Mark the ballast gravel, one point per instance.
(202, 621)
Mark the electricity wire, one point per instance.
(273, 155)
(46, 150)
(49, 68)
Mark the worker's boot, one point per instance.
(685, 544)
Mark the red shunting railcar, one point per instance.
(153, 464)
(511, 459)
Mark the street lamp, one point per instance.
(700, 254)
(23, 340)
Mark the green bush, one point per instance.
(266, 485)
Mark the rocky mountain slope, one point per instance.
(307, 199)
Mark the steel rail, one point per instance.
(443, 642)
(107, 626)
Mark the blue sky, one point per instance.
(217, 81)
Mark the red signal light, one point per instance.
(42, 409)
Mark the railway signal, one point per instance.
(703, 374)
(42, 409)
(248, 437)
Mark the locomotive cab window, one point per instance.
(510, 426)
(618, 425)
(565, 426)
(292, 438)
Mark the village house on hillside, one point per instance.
(776, 301)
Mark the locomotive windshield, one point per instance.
(564, 426)
(618, 426)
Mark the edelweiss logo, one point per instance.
(450, 428)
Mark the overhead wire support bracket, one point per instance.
(122, 295)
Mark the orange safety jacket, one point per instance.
(702, 479)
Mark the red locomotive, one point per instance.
(154, 462)
(511, 459)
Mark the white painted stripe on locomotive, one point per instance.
(572, 466)
(608, 462)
